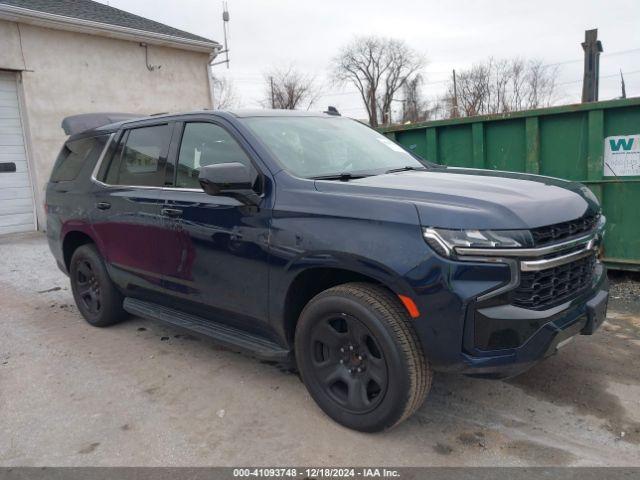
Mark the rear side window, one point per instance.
(73, 157)
(141, 158)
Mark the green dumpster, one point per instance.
(596, 143)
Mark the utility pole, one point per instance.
(455, 113)
(624, 90)
(592, 48)
(273, 98)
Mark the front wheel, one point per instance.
(360, 358)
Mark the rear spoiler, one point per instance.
(86, 121)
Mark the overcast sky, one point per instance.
(453, 34)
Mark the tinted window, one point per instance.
(72, 158)
(206, 144)
(140, 159)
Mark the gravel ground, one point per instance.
(625, 286)
(141, 394)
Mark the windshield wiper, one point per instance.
(343, 177)
(406, 168)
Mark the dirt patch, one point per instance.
(581, 379)
(443, 449)
(472, 439)
(89, 448)
(539, 454)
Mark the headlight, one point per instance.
(445, 241)
(602, 222)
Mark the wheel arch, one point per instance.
(311, 281)
(72, 240)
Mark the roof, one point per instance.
(87, 124)
(90, 13)
(276, 113)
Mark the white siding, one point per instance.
(16, 197)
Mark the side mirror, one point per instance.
(229, 179)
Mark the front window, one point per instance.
(312, 147)
(206, 144)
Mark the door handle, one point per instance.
(103, 205)
(171, 212)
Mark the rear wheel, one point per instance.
(360, 358)
(96, 297)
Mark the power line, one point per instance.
(261, 77)
(258, 79)
(604, 55)
(633, 72)
(355, 92)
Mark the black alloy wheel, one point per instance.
(348, 363)
(88, 287)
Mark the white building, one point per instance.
(61, 58)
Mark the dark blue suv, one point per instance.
(314, 240)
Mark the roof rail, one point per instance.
(86, 121)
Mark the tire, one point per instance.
(360, 358)
(96, 297)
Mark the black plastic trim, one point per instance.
(230, 337)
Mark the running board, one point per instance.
(233, 338)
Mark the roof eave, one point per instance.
(60, 22)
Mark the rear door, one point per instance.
(128, 217)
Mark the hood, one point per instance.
(479, 199)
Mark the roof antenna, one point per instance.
(225, 23)
(332, 111)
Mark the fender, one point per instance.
(350, 262)
(283, 278)
(81, 226)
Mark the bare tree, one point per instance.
(289, 89)
(404, 64)
(502, 86)
(378, 67)
(414, 107)
(541, 82)
(223, 93)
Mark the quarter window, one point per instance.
(206, 144)
(72, 158)
(141, 161)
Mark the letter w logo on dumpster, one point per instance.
(617, 143)
(621, 156)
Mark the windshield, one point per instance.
(311, 147)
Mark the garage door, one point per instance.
(16, 195)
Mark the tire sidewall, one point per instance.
(108, 294)
(392, 406)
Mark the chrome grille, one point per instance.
(543, 289)
(560, 231)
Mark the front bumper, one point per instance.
(463, 331)
(583, 316)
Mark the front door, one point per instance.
(222, 272)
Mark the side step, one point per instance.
(225, 335)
